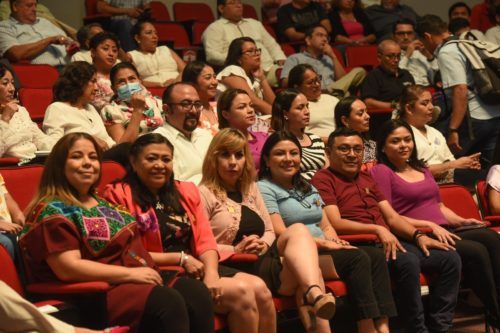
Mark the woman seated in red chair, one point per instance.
(241, 224)
(176, 232)
(411, 189)
(71, 235)
(493, 180)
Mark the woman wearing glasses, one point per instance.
(242, 70)
(304, 78)
(291, 200)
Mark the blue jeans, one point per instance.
(122, 27)
(8, 241)
(405, 271)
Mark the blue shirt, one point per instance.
(294, 206)
(323, 66)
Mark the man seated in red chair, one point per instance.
(354, 205)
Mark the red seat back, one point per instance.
(22, 182)
(159, 11)
(36, 76)
(288, 49)
(459, 200)
(172, 32)
(195, 11)
(110, 171)
(198, 28)
(157, 91)
(339, 56)
(271, 31)
(362, 56)
(8, 273)
(249, 12)
(8, 161)
(482, 196)
(36, 102)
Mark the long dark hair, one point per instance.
(168, 195)
(299, 183)
(282, 104)
(235, 49)
(385, 130)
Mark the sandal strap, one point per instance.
(307, 292)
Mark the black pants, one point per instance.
(367, 277)
(185, 308)
(480, 253)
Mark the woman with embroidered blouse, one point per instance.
(292, 201)
(176, 232)
(241, 224)
(72, 235)
(410, 188)
(158, 66)
(133, 111)
(291, 113)
(20, 137)
(242, 70)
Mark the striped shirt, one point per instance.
(313, 157)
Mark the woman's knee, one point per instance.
(261, 291)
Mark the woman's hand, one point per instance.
(194, 268)
(251, 244)
(138, 102)
(469, 162)
(144, 275)
(259, 74)
(443, 235)
(8, 109)
(10, 227)
(211, 280)
(425, 243)
(19, 219)
(335, 244)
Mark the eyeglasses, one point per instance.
(316, 80)
(188, 105)
(253, 52)
(393, 56)
(344, 150)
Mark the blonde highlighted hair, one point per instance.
(230, 140)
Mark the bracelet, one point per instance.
(181, 260)
(416, 235)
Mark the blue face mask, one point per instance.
(126, 91)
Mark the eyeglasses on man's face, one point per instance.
(345, 149)
(189, 105)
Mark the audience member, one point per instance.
(241, 224)
(182, 107)
(231, 25)
(269, 10)
(417, 110)
(20, 137)
(242, 70)
(493, 181)
(291, 200)
(203, 78)
(295, 18)
(84, 35)
(410, 188)
(158, 66)
(133, 111)
(11, 220)
(461, 27)
(474, 126)
(26, 37)
(459, 9)
(235, 110)
(415, 58)
(124, 14)
(493, 33)
(19, 315)
(73, 236)
(104, 51)
(483, 15)
(384, 84)
(291, 114)
(321, 106)
(354, 204)
(175, 230)
(350, 25)
(351, 112)
(384, 16)
(319, 54)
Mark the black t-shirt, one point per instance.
(175, 230)
(384, 86)
(250, 223)
(300, 19)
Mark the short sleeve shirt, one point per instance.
(357, 200)
(323, 65)
(4, 211)
(385, 86)
(300, 19)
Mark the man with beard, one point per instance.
(182, 107)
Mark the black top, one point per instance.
(175, 230)
(300, 19)
(338, 28)
(383, 85)
(250, 223)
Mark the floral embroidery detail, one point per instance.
(147, 221)
(65, 209)
(111, 214)
(96, 228)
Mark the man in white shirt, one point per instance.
(25, 37)
(182, 107)
(231, 25)
(415, 58)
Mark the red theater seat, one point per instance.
(362, 56)
(482, 195)
(22, 182)
(195, 11)
(36, 101)
(159, 11)
(36, 76)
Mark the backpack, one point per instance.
(484, 58)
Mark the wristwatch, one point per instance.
(416, 235)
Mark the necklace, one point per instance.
(160, 206)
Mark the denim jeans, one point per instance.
(8, 241)
(443, 293)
